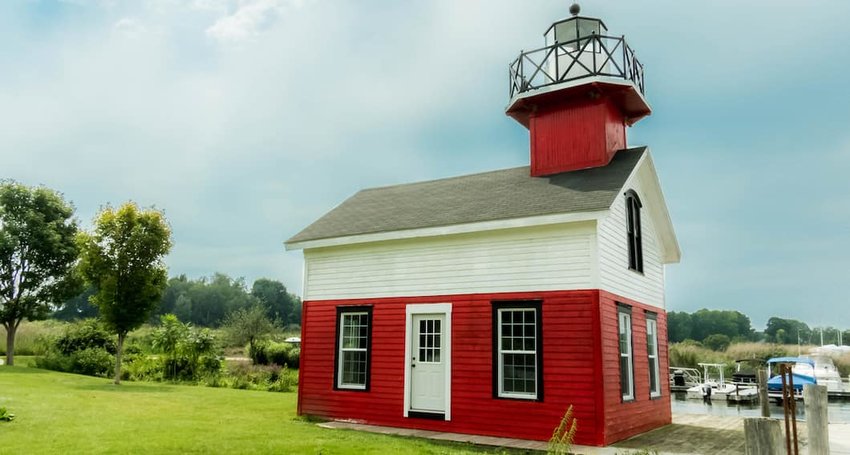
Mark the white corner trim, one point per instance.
(427, 308)
(448, 230)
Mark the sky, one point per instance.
(246, 120)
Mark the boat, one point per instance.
(720, 389)
(682, 378)
(802, 372)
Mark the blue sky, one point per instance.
(245, 120)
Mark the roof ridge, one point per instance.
(441, 179)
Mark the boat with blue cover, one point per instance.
(802, 370)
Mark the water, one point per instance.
(839, 412)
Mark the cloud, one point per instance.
(249, 19)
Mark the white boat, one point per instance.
(827, 374)
(720, 389)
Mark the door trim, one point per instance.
(427, 308)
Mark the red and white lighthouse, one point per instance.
(490, 303)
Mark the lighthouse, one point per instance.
(490, 303)
(576, 95)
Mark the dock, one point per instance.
(688, 434)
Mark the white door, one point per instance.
(428, 363)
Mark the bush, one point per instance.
(84, 347)
(92, 362)
(717, 342)
(275, 353)
(188, 353)
(272, 378)
(86, 334)
(142, 367)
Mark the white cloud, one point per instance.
(249, 19)
(129, 27)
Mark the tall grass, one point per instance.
(690, 354)
(31, 336)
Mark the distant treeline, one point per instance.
(205, 301)
(718, 328)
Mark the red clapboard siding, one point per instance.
(577, 368)
(575, 134)
(623, 420)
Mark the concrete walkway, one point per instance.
(688, 434)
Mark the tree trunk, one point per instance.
(118, 353)
(11, 329)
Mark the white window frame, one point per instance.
(652, 356)
(625, 323)
(341, 350)
(501, 353)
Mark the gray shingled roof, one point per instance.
(496, 195)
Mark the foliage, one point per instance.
(788, 331)
(206, 301)
(77, 307)
(90, 333)
(37, 255)
(280, 305)
(84, 347)
(703, 323)
(564, 435)
(273, 353)
(187, 352)
(5, 416)
(248, 325)
(717, 342)
(272, 378)
(123, 260)
(59, 414)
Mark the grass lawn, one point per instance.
(66, 413)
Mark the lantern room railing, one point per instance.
(591, 56)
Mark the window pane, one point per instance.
(625, 376)
(653, 376)
(354, 367)
(519, 373)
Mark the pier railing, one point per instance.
(594, 55)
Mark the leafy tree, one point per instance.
(792, 331)
(845, 338)
(273, 295)
(678, 326)
(296, 310)
(79, 307)
(37, 255)
(248, 325)
(717, 342)
(123, 259)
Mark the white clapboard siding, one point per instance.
(614, 273)
(555, 257)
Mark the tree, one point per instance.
(78, 307)
(123, 259)
(273, 295)
(792, 331)
(248, 325)
(37, 255)
(678, 326)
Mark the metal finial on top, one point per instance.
(575, 9)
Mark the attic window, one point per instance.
(635, 244)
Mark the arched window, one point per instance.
(633, 207)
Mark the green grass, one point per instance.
(65, 413)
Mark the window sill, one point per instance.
(350, 389)
(518, 398)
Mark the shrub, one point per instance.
(717, 342)
(86, 334)
(188, 353)
(142, 367)
(275, 353)
(92, 362)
